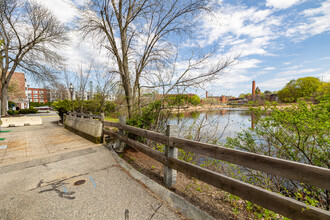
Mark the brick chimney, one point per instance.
(253, 90)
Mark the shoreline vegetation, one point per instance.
(209, 107)
(285, 129)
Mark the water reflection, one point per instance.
(217, 124)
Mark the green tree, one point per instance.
(302, 87)
(195, 100)
(243, 95)
(323, 89)
(62, 107)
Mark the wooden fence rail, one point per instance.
(291, 208)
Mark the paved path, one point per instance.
(31, 142)
(44, 188)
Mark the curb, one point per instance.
(173, 200)
(46, 160)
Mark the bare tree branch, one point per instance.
(30, 34)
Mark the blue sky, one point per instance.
(278, 40)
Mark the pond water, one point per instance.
(217, 124)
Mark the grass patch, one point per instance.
(108, 118)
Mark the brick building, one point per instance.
(17, 91)
(37, 95)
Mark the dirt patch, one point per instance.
(217, 203)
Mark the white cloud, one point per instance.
(281, 4)
(311, 70)
(64, 10)
(274, 83)
(270, 68)
(295, 67)
(325, 76)
(300, 73)
(238, 74)
(237, 21)
(284, 77)
(314, 21)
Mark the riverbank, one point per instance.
(208, 107)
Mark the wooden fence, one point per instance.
(285, 206)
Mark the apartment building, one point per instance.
(17, 91)
(37, 95)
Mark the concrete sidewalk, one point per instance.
(40, 169)
(32, 142)
(48, 191)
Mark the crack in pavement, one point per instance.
(62, 194)
(155, 211)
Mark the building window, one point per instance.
(30, 100)
(35, 96)
(41, 92)
(41, 96)
(41, 100)
(35, 100)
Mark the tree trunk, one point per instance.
(4, 96)
(129, 100)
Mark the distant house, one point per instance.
(110, 97)
(17, 91)
(37, 95)
(238, 101)
(272, 97)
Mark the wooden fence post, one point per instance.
(103, 135)
(170, 152)
(121, 145)
(0, 116)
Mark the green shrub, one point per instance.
(23, 111)
(38, 104)
(12, 112)
(299, 133)
(28, 111)
(62, 107)
(148, 116)
(11, 104)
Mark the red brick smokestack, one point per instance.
(253, 90)
(206, 94)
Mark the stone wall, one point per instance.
(88, 128)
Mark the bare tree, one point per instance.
(106, 84)
(30, 35)
(138, 33)
(82, 75)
